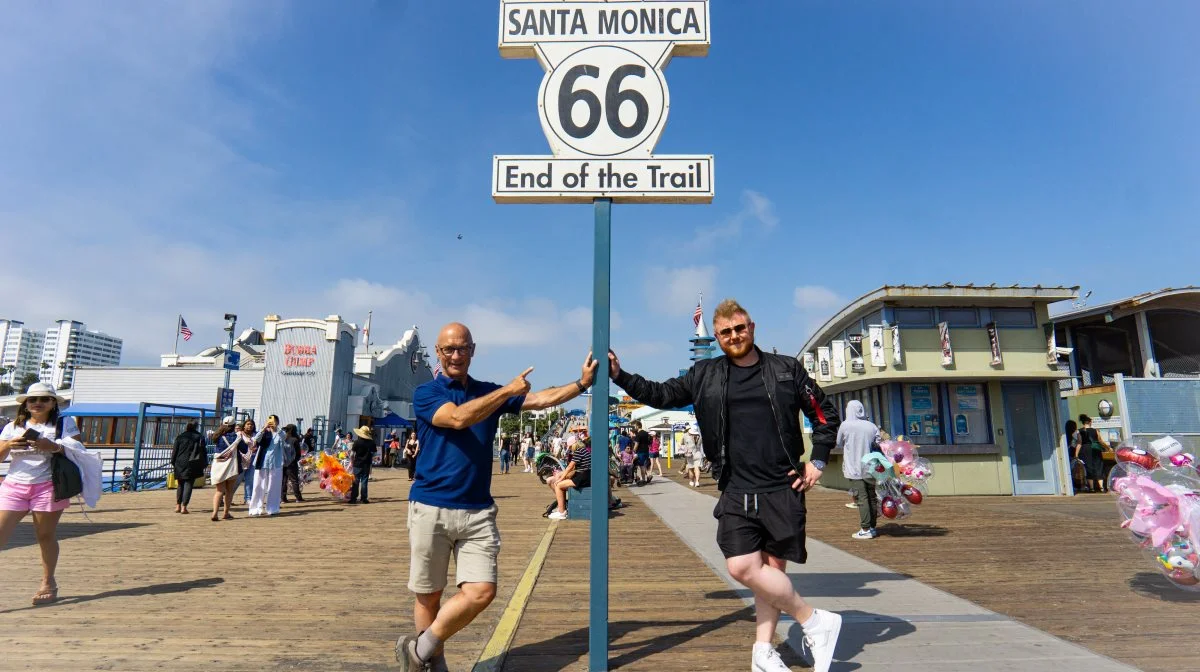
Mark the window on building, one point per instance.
(1176, 338)
(959, 317)
(95, 431)
(914, 317)
(969, 411)
(1014, 317)
(923, 414)
(1103, 350)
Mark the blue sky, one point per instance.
(316, 158)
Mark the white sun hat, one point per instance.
(39, 390)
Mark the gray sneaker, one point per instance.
(406, 655)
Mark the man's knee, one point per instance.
(479, 594)
(743, 568)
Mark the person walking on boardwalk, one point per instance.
(858, 436)
(748, 406)
(248, 432)
(693, 454)
(292, 444)
(226, 466)
(451, 510)
(31, 440)
(189, 457)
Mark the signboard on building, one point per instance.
(603, 101)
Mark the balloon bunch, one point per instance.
(1158, 497)
(334, 477)
(308, 468)
(900, 477)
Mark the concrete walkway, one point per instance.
(889, 621)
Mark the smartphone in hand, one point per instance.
(31, 435)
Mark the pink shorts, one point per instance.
(30, 497)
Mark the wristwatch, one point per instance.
(819, 464)
(579, 384)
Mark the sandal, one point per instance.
(214, 518)
(45, 596)
(227, 517)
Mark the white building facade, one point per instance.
(20, 351)
(70, 345)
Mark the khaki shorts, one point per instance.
(434, 533)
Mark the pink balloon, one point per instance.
(901, 453)
(1156, 510)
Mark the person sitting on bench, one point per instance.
(577, 474)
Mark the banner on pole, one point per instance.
(994, 341)
(839, 358)
(947, 351)
(897, 353)
(823, 373)
(875, 342)
(810, 363)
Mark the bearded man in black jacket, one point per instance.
(748, 406)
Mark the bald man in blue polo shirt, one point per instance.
(450, 506)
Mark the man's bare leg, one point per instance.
(768, 582)
(458, 612)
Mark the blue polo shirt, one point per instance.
(454, 466)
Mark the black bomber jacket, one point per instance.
(789, 388)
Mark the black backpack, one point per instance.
(65, 474)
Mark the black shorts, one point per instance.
(582, 479)
(642, 459)
(771, 522)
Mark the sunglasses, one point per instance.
(39, 400)
(735, 329)
(451, 350)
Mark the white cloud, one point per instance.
(674, 291)
(817, 298)
(755, 208)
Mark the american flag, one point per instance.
(696, 315)
(183, 329)
(437, 369)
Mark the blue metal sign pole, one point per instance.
(601, 300)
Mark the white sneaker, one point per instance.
(864, 534)
(821, 638)
(557, 515)
(766, 659)
(851, 505)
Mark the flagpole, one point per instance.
(178, 325)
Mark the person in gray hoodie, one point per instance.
(856, 437)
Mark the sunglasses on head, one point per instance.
(735, 329)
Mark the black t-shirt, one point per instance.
(643, 443)
(758, 462)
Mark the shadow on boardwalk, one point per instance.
(153, 589)
(23, 535)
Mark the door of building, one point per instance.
(1031, 441)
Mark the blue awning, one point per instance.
(130, 410)
(393, 420)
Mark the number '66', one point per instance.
(614, 96)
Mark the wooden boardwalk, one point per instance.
(322, 587)
(1059, 564)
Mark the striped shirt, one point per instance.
(581, 455)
